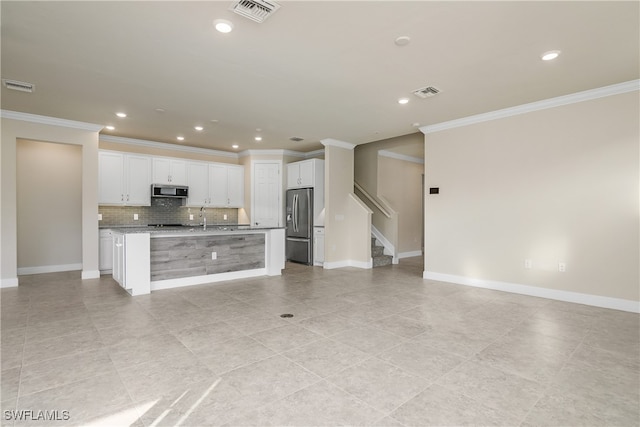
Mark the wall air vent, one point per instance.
(256, 10)
(426, 92)
(16, 85)
(296, 139)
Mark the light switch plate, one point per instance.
(135, 217)
(99, 217)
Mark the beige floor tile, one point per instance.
(159, 377)
(9, 384)
(327, 324)
(64, 370)
(438, 406)
(420, 359)
(326, 357)
(232, 354)
(136, 350)
(285, 338)
(320, 404)
(84, 400)
(379, 384)
(206, 336)
(401, 326)
(368, 339)
(51, 348)
(502, 391)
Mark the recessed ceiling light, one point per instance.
(214, 120)
(121, 115)
(223, 26)
(552, 54)
(110, 128)
(258, 130)
(160, 110)
(402, 40)
(235, 146)
(415, 125)
(198, 128)
(180, 138)
(403, 101)
(258, 138)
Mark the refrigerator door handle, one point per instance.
(295, 213)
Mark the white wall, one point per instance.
(555, 185)
(49, 207)
(60, 131)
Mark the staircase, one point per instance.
(378, 256)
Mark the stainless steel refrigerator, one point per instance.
(300, 225)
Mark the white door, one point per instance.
(267, 191)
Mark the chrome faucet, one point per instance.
(203, 214)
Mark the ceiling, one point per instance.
(312, 70)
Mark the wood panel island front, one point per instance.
(146, 260)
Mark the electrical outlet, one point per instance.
(191, 217)
(99, 217)
(528, 264)
(562, 267)
(135, 217)
(224, 217)
(214, 255)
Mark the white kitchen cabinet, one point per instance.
(226, 186)
(105, 259)
(124, 179)
(169, 171)
(306, 173)
(318, 246)
(198, 182)
(215, 185)
(131, 260)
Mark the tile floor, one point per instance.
(378, 347)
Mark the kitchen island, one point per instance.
(146, 259)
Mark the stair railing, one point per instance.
(384, 221)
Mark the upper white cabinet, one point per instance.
(124, 179)
(215, 185)
(307, 173)
(226, 185)
(169, 171)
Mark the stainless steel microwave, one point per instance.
(164, 190)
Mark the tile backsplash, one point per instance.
(164, 211)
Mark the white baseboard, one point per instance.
(555, 294)
(409, 254)
(9, 283)
(90, 274)
(49, 269)
(348, 263)
(211, 278)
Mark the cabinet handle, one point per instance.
(127, 197)
(122, 197)
(228, 201)
(169, 178)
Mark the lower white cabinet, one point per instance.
(318, 246)
(131, 260)
(105, 259)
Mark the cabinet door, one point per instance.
(235, 186)
(218, 185)
(111, 189)
(266, 207)
(161, 170)
(178, 172)
(198, 182)
(138, 180)
(118, 258)
(306, 174)
(106, 251)
(293, 175)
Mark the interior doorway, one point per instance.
(49, 206)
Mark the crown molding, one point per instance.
(167, 146)
(587, 95)
(397, 156)
(337, 143)
(51, 121)
(280, 152)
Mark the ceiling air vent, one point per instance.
(426, 92)
(296, 139)
(16, 85)
(256, 10)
